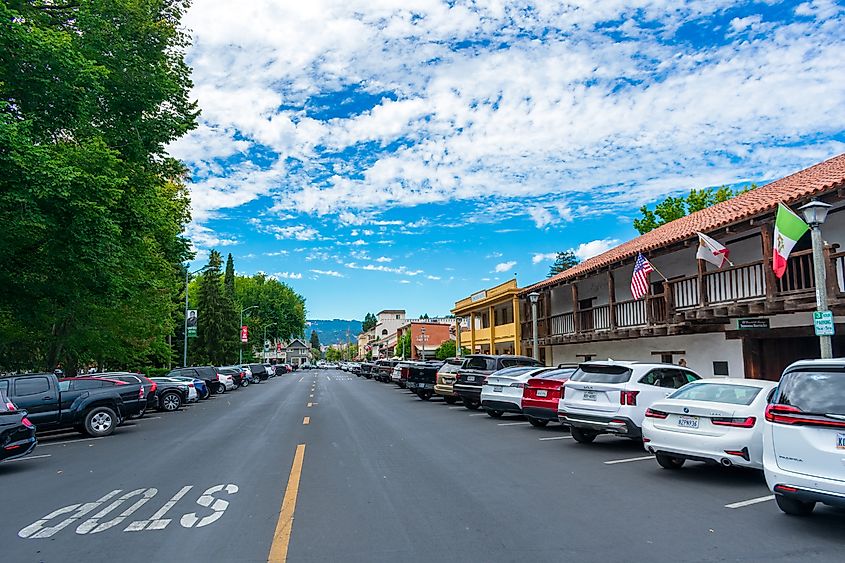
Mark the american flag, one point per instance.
(639, 282)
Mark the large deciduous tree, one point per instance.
(675, 207)
(92, 207)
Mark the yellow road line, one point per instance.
(281, 538)
(306, 420)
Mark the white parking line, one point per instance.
(37, 457)
(615, 461)
(457, 408)
(513, 423)
(479, 414)
(556, 438)
(69, 442)
(749, 502)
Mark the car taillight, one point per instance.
(26, 422)
(191, 385)
(518, 385)
(787, 414)
(628, 398)
(651, 413)
(563, 391)
(736, 422)
(11, 406)
(154, 387)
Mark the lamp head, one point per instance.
(534, 297)
(815, 212)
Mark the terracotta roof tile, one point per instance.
(811, 181)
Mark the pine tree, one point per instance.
(315, 340)
(564, 261)
(213, 326)
(229, 279)
(230, 306)
(369, 323)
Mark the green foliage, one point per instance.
(403, 345)
(92, 207)
(447, 350)
(673, 208)
(333, 355)
(369, 323)
(229, 278)
(563, 262)
(315, 340)
(216, 332)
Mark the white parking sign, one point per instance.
(823, 323)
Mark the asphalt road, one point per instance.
(380, 476)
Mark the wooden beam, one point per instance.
(768, 270)
(611, 297)
(576, 317)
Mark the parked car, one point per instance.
(718, 421)
(172, 394)
(397, 376)
(476, 369)
(611, 397)
(127, 377)
(271, 370)
(259, 371)
(367, 369)
(86, 404)
(541, 394)
(446, 378)
(240, 376)
(198, 384)
(17, 432)
(501, 392)
(384, 370)
(207, 373)
(420, 377)
(804, 437)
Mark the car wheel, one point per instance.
(537, 422)
(471, 405)
(245, 382)
(402, 385)
(221, 388)
(494, 413)
(100, 421)
(581, 436)
(669, 462)
(206, 394)
(170, 401)
(424, 395)
(450, 400)
(794, 507)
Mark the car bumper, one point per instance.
(468, 392)
(541, 413)
(419, 386)
(618, 425)
(709, 449)
(445, 390)
(19, 447)
(500, 405)
(806, 488)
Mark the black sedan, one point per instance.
(17, 433)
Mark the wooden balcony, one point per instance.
(700, 303)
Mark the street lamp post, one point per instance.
(422, 348)
(815, 214)
(534, 297)
(188, 275)
(266, 355)
(240, 326)
(458, 321)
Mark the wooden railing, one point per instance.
(837, 265)
(685, 292)
(736, 283)
(563, 324)
(631, 313)
(799, 276)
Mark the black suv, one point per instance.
(470, 378)
(206, 373)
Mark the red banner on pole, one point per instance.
(278, 346)
(244, 334)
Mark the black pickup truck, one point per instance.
(383, 370)
(420, 378)
(91, 405)
(474, 372)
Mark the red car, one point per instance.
(541, 394)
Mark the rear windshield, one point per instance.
(513, 372)
(449, 368)
(601, 374)
(481, 363)
(717, 393)
(813, 392)
(556, 374)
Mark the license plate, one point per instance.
(688, 421)
(497, 388)
(589, 395)
(470, 378)
(542, 393)
(840, 441)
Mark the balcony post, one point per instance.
(832, 278)
(576, 321)
(611, 299)
(702, 290)
(768, 270)
(669, 298)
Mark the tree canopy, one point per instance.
(675, 207)
(563, 261)
(447, 350)
(369, 323)
(92, 207)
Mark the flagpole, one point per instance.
(653, 267)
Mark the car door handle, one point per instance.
(46, 398)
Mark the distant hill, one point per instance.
(334, 331)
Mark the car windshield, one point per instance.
(597, 373)
(717, 393)
(813, 392)
(480, 362)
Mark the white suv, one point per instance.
(611, 397)
(804, 437)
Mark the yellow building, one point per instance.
(493, 318)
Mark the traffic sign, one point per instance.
(823, 323)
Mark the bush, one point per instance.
(155, 372)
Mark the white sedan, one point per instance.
(502, 390)
(710, 420)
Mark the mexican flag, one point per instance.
(788, 229)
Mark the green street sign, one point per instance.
(192, 332)
(823, 323)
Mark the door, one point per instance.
(39, 397)
(585, 307)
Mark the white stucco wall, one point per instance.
(701, 350)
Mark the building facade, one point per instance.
(493, 316)
(426, 338)
(296, 353)
(738, 320)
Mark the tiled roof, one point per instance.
(811, 181)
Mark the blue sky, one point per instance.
(406, 153)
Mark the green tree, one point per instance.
(213, 330)
(672, 208)
(315, 340)
(563, 262)
(369, 323)
(93, 208)
(229, 278)
(280, 309)
(403, 345)
(447, 350)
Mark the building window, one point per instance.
(720, 368)
(384, 332)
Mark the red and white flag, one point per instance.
(639, 281)
(711, 251)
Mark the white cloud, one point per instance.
(287, 232)
(541, 216)
(504, 266)
(433, 278)
(286, 275)
(594, 248)
(401, 270)
(277, 253)
(383, 259)
(204, 237)
(543, 257)
(331, 273)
